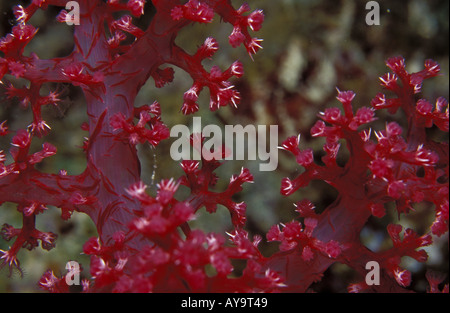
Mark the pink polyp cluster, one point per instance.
(400, 168)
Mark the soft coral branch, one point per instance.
(393, 161)
(163, 34)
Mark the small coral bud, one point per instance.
(34, 208)
(8, 232)
(190, 100)
(166, 190)
(92, 246)
(425, 240)
(48, 240)
(418, 197)
(439, 226)
(48, 281)
(345, 97)
(291, 144)
(243, 8)
(274, 233)
(293, 230)
(307, 254)
(432, 67)
(163, 77)
(237, 69)
(395, 189)
(237, 37)
(331, 115)
(403, 277)
(332, 249)
(305, 208)
(73, 70)
(441, 104)
(136, 7)
(222, 264)
(416, 81)
(177, 13)
(420, 256)
(9, 258)
(189, 166)
(310, 224)
(253, 46)
(194, 10)
(424, 107)
(63, 17)
(394, 231)
(24, 32)
(39, 128)
(245, 175)
(356, 288)
(48, 150)
(101, 271)
(155, 108)
(20, 14)
(3, 128)
(116, 39)
(22, 139)
(137, 190)
(364, 115)
(389, 81)
(318, 129)
(377, 210)
(201, 12)
(397, 64)
(16, 68)
(238, 213)
(379, 101)
(365, 134)
(393, 129)
(426, 156)
(255, 20)
(286, 186)
(118, 121)
(182, 213)
(125, 23)
(119, 237)
(215, 73)
(77, 199)
(207, 50)
(223, 96)
(305, 158)
(381, 167)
